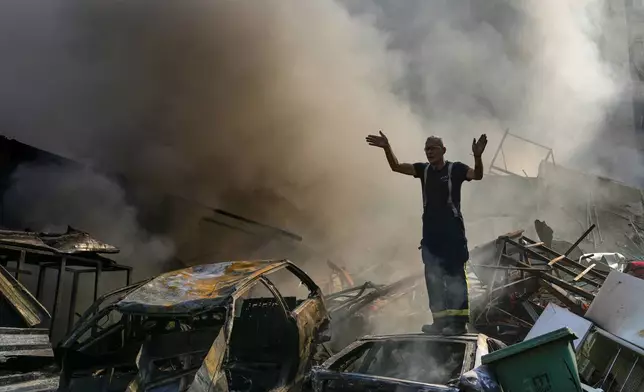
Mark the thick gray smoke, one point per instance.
(531, 66)
(50, 198)
(262, 107)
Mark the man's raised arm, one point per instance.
(477, 149)
(382, 142)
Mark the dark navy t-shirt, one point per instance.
(443, 232)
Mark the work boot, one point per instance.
(455, 328)
(433, 329)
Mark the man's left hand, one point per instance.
(478, 146)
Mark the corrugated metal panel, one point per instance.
(23, 342)
(31, 311)
(72, 242)
(30, 382)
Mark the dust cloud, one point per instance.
(261, 108)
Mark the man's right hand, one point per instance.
(378, 141)
(382, 142)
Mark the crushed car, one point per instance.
(406, 363)
(242, 326)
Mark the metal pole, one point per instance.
(611, 367)
(72, 306)
(583, 236)
(97, 278)
(507, 131)
(531, 142)
(21, 260)
(42, 273)
(59, 286)
(629, 374)
(505, 164)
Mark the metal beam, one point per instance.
(536, 255)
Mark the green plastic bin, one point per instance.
(544, 364)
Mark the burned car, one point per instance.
(405, 363)
(243, 326)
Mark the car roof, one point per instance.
(464, 338)
(195, 289)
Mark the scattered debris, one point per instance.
(609, 352)
(74, 252)
(522, 277)
(339, 280)
(26, 357)
(352, 310)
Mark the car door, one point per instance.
(303, 299)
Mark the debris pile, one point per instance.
(27, 360)
(522, 276)
(532, 291)
(354, 311)
(26, 356)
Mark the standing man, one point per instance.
(444, 245)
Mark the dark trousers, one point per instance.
(447, 289)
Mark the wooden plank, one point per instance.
(535, 244)
(584, 272)
(556, 259)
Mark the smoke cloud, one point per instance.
(40, 200)
(261, 108)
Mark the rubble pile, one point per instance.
(522, 276)
(26, 356)
(531, 290)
